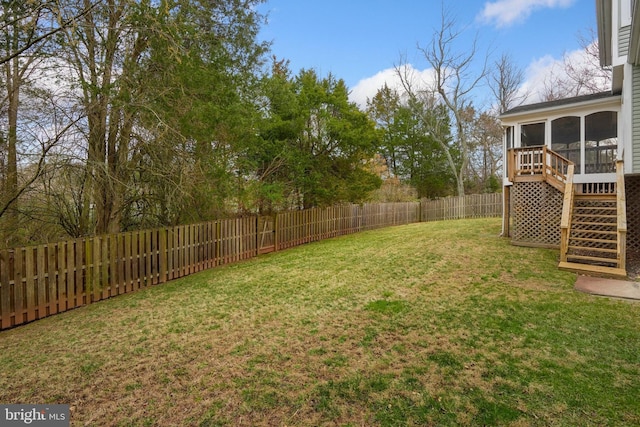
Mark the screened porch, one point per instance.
(590, 142)
(585, 133)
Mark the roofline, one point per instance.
(561, 104)
(603, 20)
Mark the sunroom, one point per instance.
(582, 130)
(562, 178)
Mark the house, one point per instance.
(572, 166)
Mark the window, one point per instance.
(565, 139)
(601, 142)
(532, 134)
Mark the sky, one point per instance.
(360, 41)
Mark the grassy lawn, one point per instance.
(439, 324)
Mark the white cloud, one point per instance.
(503, 13)
(545, 70)
(537, 73)
(368, 87)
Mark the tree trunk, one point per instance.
(10, 188)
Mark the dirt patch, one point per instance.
(633, 264)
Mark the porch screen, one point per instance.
(565, 139)
(532, 134)
(601, 142)
(509, 137)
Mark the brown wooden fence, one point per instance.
(39, 281)
(471, 206)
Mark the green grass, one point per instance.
(441, 324)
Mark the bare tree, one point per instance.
(578, 74)
(486, 159)
(20, 24)
(456, 75)
(29, 10)
(505, 81)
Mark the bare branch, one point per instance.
(44, 36)
(45, 147)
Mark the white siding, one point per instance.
(623, 40)
(635, 133)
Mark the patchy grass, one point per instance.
(428, 324)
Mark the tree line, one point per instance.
(126, 114)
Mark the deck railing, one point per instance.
(532, 163)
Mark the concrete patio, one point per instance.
(608, 287)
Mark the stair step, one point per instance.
(605, 224)
(577, 210)
(589, 239)
(593, 258)
(594, 269)
(611, 233)
(592, 249)
(592, 215)
(594, 222)
(598, 221)
(595, 197)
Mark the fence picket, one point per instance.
(113, 265)
(163, 258)
(40, 277)
(148, 255)
(71, 277)
(30, 284)
(18, 286)
(5, 290)
(179, 244)
(79, 272)
(136, 253)
(61, 277)
(52, 283)
(128, 280)
(135, 260)
(96, 286)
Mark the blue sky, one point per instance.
(356, 40)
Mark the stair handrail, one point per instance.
(538, 160)
(567, 210)
(621, 213)
(556, 165)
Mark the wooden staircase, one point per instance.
(593, 225)
(593, 230)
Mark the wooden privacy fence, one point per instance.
(471, 206)
(39, 281)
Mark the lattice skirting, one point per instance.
(536, 211)
(632, 193)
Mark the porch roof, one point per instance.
(560, 104)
